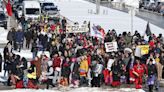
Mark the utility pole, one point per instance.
(97, 7)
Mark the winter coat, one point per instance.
(34, 35)
(75, 72)
(98, 70)
(12, 66)
(24, 64)
(32, 72)
(65, 71)
(19, 36)
(50, 72)
(152, 70)
(28, 35)
(38, 67)
(56, 63)
(138, 70)
(34, 47)
(116, 72)
(44, 41)
(6, 53)
(10, 36)
(83, 68)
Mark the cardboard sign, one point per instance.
(144, 49)
(141, 50)
(111, 46)
(77, 28)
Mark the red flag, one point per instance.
(8, 7)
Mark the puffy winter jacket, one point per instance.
(83, 67)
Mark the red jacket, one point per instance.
(56, 62)
(139, 69)
(151, 43)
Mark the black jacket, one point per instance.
(10, 36)
(65, 71)
(151, 69)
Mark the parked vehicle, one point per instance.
(159, 6)
(51, 11)
(3, 20)
(46, 4)
(31, 9)
(162, 10)
(151, 6)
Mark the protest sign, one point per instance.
(111, 46)
(76, 28)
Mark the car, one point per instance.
(51, 11)
(162, 10)
(158, 8)
(45, 4)
(3, 20)
(149, 6)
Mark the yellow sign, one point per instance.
(144, 49)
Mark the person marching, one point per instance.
(50, 74)
(152, 72)
(138, 72)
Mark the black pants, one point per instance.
(8, 81)
(150, 88)
(95, 81)
(15, 46)
(49, 82)
(0, 66)
(28, 43)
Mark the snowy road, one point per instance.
(79, 10)
(82, 89)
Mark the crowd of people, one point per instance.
(78, 59)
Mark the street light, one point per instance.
(132, 12)
(97, 6)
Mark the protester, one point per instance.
(83, 69)
(50, 74)
(138, 72)
(1, 63)
(19, 37)
(152, 73)
(79, 59)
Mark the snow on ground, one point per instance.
(82, 89)
(78, 10)
(3, 35)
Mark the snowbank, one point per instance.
(82, 89)
(3, 36)
(79, 10)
